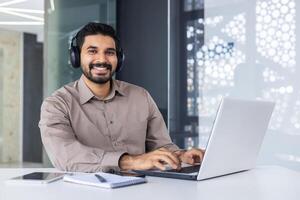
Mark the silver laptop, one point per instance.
(234, 143)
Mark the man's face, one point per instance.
(98, 58)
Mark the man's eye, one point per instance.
(92, 51)
(111, 53)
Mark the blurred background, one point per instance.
(187, 53)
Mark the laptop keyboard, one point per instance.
(186, 170)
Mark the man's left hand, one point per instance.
(192, 156)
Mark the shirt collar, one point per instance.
(116, 87)
(86, 94)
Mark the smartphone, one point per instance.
(37, 177)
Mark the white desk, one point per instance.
(266, 183)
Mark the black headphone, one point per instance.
(74, 53)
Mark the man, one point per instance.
(97, 123)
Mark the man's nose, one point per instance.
(101, 57)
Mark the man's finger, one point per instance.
(172, 156)
(168, 160)
(197, 154)
(159, 165)
(188, 159)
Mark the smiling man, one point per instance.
(97, 123)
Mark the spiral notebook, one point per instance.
(112, 180)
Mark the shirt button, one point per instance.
(117, 143)
(111, 122)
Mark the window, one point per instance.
(247, 50)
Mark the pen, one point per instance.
(100, 178)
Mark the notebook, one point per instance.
(112, 180)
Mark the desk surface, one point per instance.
(267, 182)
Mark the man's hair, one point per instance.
(94, 28)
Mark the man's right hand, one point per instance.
(154, 159)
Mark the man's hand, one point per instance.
(154, 159)
(191, 157)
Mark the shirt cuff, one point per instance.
(172, 147)
(111, 159)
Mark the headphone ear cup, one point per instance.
(75, 57)
(121, 58)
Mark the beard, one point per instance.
(101, 79)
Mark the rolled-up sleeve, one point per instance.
(157, 133)
(63, 148)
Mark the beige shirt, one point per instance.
(82, 133)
